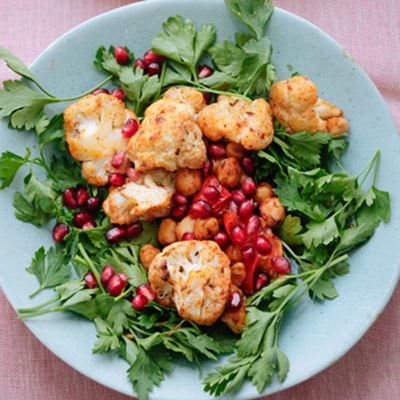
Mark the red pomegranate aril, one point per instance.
(118, 93)
(207, 168)
(153, 69)
(204, 72)
(263, 245)
(60, 231)
(89, 225)
(90, 280)
(121, 55)
(249, 187)
(100, 91)
(248, 254)
(238, 196)
(252, 225)
(93, 203)
(132, 174)
(139, 302)
(116, 285)
(140, 63)
(130, 127)
(123, 277)
(133, 230)
(211, 192)
(82, 196)
(246, 208)
(188, 236)
(179, 212)
(280, 264)
(238, 235)
(118, 159)
(115, 234)
(235, 300)
(69, 198)
(151, 57)
(200, 209)
(248, 165)
(232, 206)
(146, 290)
(116, 179)
(221, 238)
(207, 97)
(81, 218)
(216, 150)
(262, 280)
(180, 199)
(106, 274)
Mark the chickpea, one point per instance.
(188, 181)
(233, 252)
(264, 191)
(183, 226)
(205, 228)
(147, 254)
(229, 172)
(238, 273)
(272, 211)
(235, 150)
(166, 231)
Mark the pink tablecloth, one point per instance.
(370, 32)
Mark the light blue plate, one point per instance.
(313, 335)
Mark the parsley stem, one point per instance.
(39, 306)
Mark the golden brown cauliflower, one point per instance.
(247, 123)
(187, 95)
(193, 276)
(296, 105)
(169, 137)
(93, 130)
(143, 200)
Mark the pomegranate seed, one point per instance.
(280, 264)
(248, 165)
(188, 236)
(204, 72)
(90, 280)
(221, 238)
(101, 91)
(132, 174)
(262, 280)
(106, 274)
(235, 300)
(134, 229)
(118, 159)
(123, 277)
(200, 209)
(207, 168)
(211, 192)
(238, 235)
(232, 206)
(116, 179)
(93, 203)
(81, 218)
(130, 127)
(207, 97)
(146, 290)
(153, 69)
(89, 225)
(252, 225)
(139, 302)
(151, 57)
(248, 254)
(179, 212)
(263, 245)
(140, 63)
(246, 208)
(60, 231)
(115, 234)
(121, 55)
(116, 285)
(249, 187)
(216, 150)
(238, 196)
(69, 199)
(180, 199)
(118, 93)
(82, 196)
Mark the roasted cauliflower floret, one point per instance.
(143, 200)
(193, 276)
(247, 123)
(168, 138)
(296, 105)
(187, 95)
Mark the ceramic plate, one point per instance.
(314, 335)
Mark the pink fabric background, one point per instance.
(370, 32)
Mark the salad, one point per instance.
(141, 224)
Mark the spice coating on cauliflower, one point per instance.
(186, 95)
(296, 105)
(148, 198)
(168, 137)
(193, 276)
(247, 123)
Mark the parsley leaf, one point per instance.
(10, 163)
